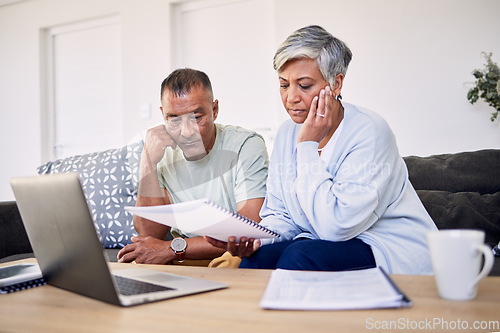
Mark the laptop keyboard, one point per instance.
(128, 286)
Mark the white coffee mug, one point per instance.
(456, 260)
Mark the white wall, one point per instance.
(145, 61)
(412, 62)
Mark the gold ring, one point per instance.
(321, 115)
(133, 262)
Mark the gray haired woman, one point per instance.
(338, 191)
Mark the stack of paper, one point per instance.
(359, 289)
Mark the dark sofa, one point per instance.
(459, 190)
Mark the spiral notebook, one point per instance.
(205, 218)
(20, 277)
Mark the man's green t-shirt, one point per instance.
(234, 170)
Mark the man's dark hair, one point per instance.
(181, 81)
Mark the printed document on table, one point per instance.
(306, 290)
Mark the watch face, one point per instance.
(178, 244)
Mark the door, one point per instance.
(233, 42)
(84, 111)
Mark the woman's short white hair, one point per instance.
(314, 42)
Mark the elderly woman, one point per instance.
(338, 192)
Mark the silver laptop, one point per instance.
(65, 242)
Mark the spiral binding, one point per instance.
(242, 218)
(23, 286)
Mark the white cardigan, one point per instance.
(363, 192)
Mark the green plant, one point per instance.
(487, 85)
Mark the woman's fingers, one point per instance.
(248, 248)
(313, 110)
(325, 103)
(216, 242)
(320, 112)
(232, 247)
(256, 245)
(328, 100)
(244, 248)
(320, 118)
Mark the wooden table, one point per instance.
(236, 309)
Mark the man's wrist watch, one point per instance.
(178, 245)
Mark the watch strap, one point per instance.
(180, 255)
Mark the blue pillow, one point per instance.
(109, 180)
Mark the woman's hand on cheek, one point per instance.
(320, 118)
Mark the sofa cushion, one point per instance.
(109, 180)
(476, 171)
(464, 210)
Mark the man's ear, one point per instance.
(337, 85)
(163, 116)
(215, 108)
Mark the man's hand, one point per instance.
(156, 141)
(147, 250)
(149, 192)
(245, 248)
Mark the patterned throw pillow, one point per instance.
(109, 180)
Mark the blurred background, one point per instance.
(81, 76)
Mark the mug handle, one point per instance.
(488, 264)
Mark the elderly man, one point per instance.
(191, 157)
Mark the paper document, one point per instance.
(349, 290)
(204, 218)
